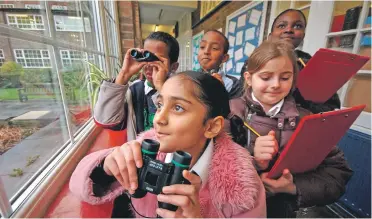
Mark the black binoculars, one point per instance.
(154, 174)
(144, 56)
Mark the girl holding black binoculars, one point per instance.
(191, 110)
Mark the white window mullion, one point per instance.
(42, 59)
(364, 72)
(274, 5)
(69, 57)
(364, 30)
(342, 33)
(363, 14)
(318, 26)
(304, 7)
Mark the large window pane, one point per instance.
(45, 97)
(33, 124)
(345, 15)
(67, 23)
(91, 37)
(80, 79)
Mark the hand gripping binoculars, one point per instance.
(144, 56)
(154, 174)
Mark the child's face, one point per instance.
(290, 26)
(158, 47)
(179, 119)
(272, 82)
(211, 54)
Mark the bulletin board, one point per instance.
(195, 48)
(244, 30)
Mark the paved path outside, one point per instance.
(43, 143)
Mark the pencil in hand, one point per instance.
(250, 128)
(302, 62)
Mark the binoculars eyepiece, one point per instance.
(145, 56)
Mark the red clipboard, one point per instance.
(326, 72)
(313, 139)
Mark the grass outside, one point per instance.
(12, 94)
(9, 94)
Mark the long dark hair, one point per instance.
(210, 91)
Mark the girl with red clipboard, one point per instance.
(290, 25)
(268, 107)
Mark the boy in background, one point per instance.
(212, 54)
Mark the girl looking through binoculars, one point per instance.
(191, 109)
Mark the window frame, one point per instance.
(43, 183)
(24, 58)
(86, 27)
(33, 6)
(33, 26)
(2, 57)
(59, 7)
(6, 5)
(84, 56)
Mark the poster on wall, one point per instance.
(244, 30)
(195, 48)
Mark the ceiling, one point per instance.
(165, 14)
(148, 28)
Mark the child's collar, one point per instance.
(273, 110)
(202, 164)
(148, 87)
(211, 71)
